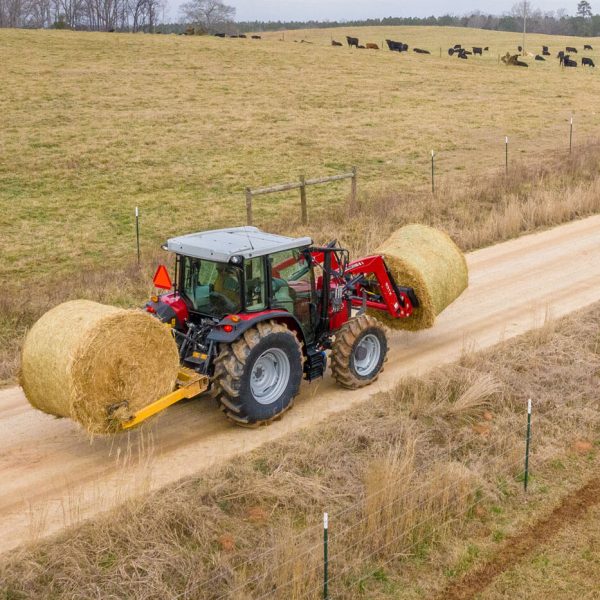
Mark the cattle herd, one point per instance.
(564, 56)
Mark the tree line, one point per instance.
(94, 15)
(212, 16)
(552, 23)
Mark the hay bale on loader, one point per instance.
(427, 260)
(82, 357)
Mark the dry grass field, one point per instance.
(95, 124)
(423, 485)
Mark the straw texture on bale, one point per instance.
(82, 357)
(427, 260)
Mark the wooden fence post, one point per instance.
(353, 189)
(303, 206)
(248, 206)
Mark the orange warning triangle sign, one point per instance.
(162, 279)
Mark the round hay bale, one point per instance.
(428, 261)
(82, 357)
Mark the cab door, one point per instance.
(293, 287)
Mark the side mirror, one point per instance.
(161, 278)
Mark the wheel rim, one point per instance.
(270, 376)
(366, 355)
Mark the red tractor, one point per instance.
(253, 313)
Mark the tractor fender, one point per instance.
(221, 336)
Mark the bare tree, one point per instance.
(11, 13)
(69, 12)
(144, 14)
(208, 14)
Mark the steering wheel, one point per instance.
(223, 301)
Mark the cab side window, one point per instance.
(255, 284)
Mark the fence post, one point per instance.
(527, 443)
(506, 153)
(303, 206)
(248, 206)
(137, 232)
(353, 188)
(432, 172)
(325, 557)
(571, 136)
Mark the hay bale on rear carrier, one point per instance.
(81, 358)
(428, 261)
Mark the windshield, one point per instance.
(212, 288)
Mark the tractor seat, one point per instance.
(228, 286)
(283, 294)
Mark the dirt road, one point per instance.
(52, 476)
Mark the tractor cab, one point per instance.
(243, 269)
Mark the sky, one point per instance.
(303, 10)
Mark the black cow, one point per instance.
(520, 48)
(567, 62)
(421, 51)
(546, 52)
(234, 36)
(221, 35)
(570, 50)
(396, 46)
(352, 41)
(561, 57)
(477, 51)
(334, 43)
(256, 37)
(587, 47)
(587, 62)
(462, 54)
(486, 49)
(538, 57)
(457, 47)
(243, 36)
(545, 49)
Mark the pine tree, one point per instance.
(584, 9)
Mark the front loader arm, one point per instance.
(373, 285)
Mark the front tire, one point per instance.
(258, 376)
(359, 352)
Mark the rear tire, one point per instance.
(359, 352)
(257, 377)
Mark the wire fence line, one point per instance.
(405, 534)
(336, 516)
(342, 542)
(316, 527)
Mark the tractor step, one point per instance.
(315, 365)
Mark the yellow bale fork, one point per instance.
(189, 385)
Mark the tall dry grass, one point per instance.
(476, 211)
(416, 482)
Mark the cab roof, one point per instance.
(221, 244)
